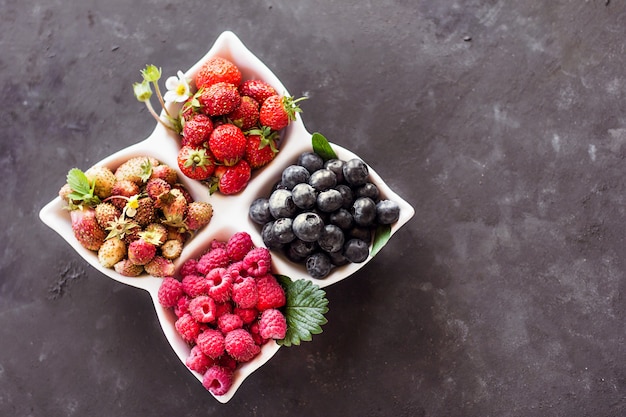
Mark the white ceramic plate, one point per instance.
(230, 212)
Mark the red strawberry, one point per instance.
(217, 70)
(219, 99)
(246, 115)
(257, 89)
(227, 144)
(195, 163)
(278, 111)
(196, 131)
(86, 228)
(232, 179)
(260, 149)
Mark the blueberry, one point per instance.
(332, 238)
(346, 194)
(311, 161)
(362, 233)
(336, 166)
(342, 218)
(281, 204)
(259, 211)
(269, 240)
(294, 174)
(302, 249)
(368, 190)
(356, 250)
(304, 196)
(355, 172)
(387, 212)
(282, 230)
(337, 258)
(364, 211)
(308, 226)
(323, 179)
(329, 200)
(318, 265)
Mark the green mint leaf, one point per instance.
(79, 183)
(304, 310)
(322, 147)
(381, 237)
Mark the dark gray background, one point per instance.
(502, 122)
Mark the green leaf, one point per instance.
(304, 310)
(79, 183)
(381, 237)
(322, 147)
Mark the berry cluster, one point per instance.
(137, 217)
(229, 126)
(323, 213)
(227, 306)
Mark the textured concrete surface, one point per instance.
(502, 122)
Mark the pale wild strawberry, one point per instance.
(106, 213)
(160, 267)
(111, 252)
(103, 180)
(199, 214)
(137, 169)
(127, 268)
(172, 249)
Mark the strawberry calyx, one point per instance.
(198, 158)
(268, 137)
(291, 106)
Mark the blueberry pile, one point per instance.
(323, 213)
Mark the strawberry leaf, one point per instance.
(304, 310)
(381, 237)
(78, 182)
(322, 147)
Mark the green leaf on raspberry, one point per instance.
(381, 237)
(304, 310)
(322, 147)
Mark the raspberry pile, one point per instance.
(227, 305)
(230, 126)
(137, 217)
(323, 213)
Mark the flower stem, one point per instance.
(155, 115)
(158, 93)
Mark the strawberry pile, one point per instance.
(227, 306)
(229, 127)
(137, 217)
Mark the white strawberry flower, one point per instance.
(178, 89)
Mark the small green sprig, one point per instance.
(143, 92)
(82, 189)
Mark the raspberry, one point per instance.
(170, 291)
(187, 327)
(229, 322)
(270, 293)
(258, 262)
(240, 345)
(211, 343)
(195, 285)
(227, 362)
(219, 284)
(244, 292)
(223, 308)
(202, 308)
(198, 361)
(218, 380)
(189, 267)
(237, 272)
(216, 258)
(182, 306)
(248, 315)
(272, 324)
(254, 331)
(239, 245)
(217, 244)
